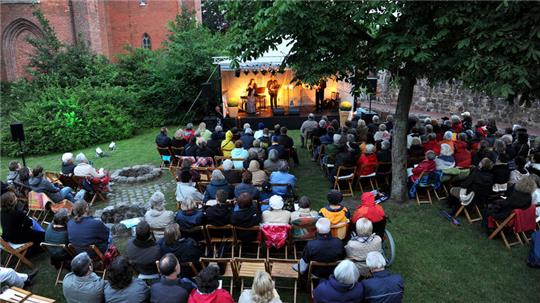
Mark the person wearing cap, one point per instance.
(383, 286)
(67, 164)
(307, 128)
(324, 248)
(162, 139)
(276, 214)
(334, 211)
(82, 285)
(260, 131)
(247, 138)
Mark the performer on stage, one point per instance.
(273, 87)
(251, 90)
(319, 95)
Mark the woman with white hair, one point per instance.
(217, 182)
(157, 216)
(446, 159)
(189, 215)
(276, 214)
(381, 134)
(233, 176)
(361, 243)
(203, 132)
(262, 291)
(84, 169)
(448, 138)
(342, 286)
(367, 162)
(67, 164)
(383, 286)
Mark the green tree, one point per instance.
(412, 40)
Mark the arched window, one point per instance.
(146, 42)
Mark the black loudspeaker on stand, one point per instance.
(17, 134)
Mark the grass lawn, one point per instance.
(439, 262)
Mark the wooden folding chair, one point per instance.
(312, 278)
(371, 177)
(340, 230)
(164, 153)
(501, 227)
(38, 299)
(345, 174)
(322, 151)
(282, 269)
(37, 206)
(476, 216)
(302, 230)
(97, 257)
(95, 193)
(226, 267)
(247, 268)
(197, 233)
(220, 235)
(177, 153)
(17, 252)
(246, 230)
(384, 170)
(288, 239)
(53, 177)
(218, 160)
(15, 295)
(425, 186)
(47, 247)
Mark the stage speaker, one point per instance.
(372, 85)
(17, 131)
(278, 111)
(294, 111)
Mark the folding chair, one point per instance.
(246, 230)
(17, 251)
(220, 235)
(94, 193)
(384, 170)
(370, 177)
(501, 227)
(53, 177)
(311, 278)
(15, 295)
(97, 257)
(38, 299)
(218, 160)
(302, 230)
(165, 155)
(282, 269)
(177, 153)
(345, 174)
(425, 185)
(476, 216)
(271, 242)
(247, 268)
(322, 151)
(226, 267)
(47, 247)
(508, 227)
(340, 230)
(37, 206)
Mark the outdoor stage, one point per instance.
(290, 121)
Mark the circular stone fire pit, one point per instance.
(135, 174)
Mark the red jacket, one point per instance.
(217, 296)
(366, 164)
(462, 155)
(424, 166)
(433, 145)
(368, 209)
(457, 127)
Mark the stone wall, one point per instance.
(449, 99)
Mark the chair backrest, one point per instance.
(219, 232)
(253, 232)
(345, 170)
(340, 230)
(52, 176)
(247, 268)
(303, 229)
(50, 248)
(164, 151)
(525, 219)
(177, 151)
(384, 168)
(196, 233)
(37, 201)
(218, 160)
(318, 267)
(222, 263)
(92, 250)
(67, 180)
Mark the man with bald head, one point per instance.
(170, 288)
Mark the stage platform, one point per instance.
(269, 119)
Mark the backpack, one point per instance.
(534, 254)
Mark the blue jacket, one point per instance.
(246, 188)
(383, 287)
(87, 232)
(189, 220)
(332, 291)
(214, 186)
(324, 248)
(278, 177)
(166, 290)
(247, 141)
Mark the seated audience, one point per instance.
(342, 286)
(277, 147)
(258, 150)
(334, 211)
(480, 181)
(276, 214)
(324, 248)
(186, 166)
(142, 252)
(219, 214)
(519, 198)
(178, 139)
(372, 211)
(245, 214)
(533, 167)
(258, 176)
(122, 287)
(259, 132)
(40, 184)
(273, 162)
(367, 162)
(262, 290)
(189, 132)
(247, 139)
(232, 175)
(169, 288)
(189, 215)
(190, 149)
(462, 155)
(426, 166)
(82, 285)
(227, 144)
(56, 233)
(214, 144)
(185, 249)
(385, 154)
(383, 286)
(282, 176)
(448, 139)
(203, 132)
(186, 190)
(203, 151)
(415, 152)
(304, 210)
(483, 152)
(361, 243)
(157, 216)
(162, 139)
(239, 154)
(217, 182)
(521, 144)
(9, 277)
(84, 230)
(13, 174)
(307, 128)
(17, 227)
(246, 187)
(381, 134)
(446, 159)
(84, 169)
(208, 290)
(67, 164)
(520, 171)
(432, 144)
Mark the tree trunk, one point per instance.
(399, 140)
